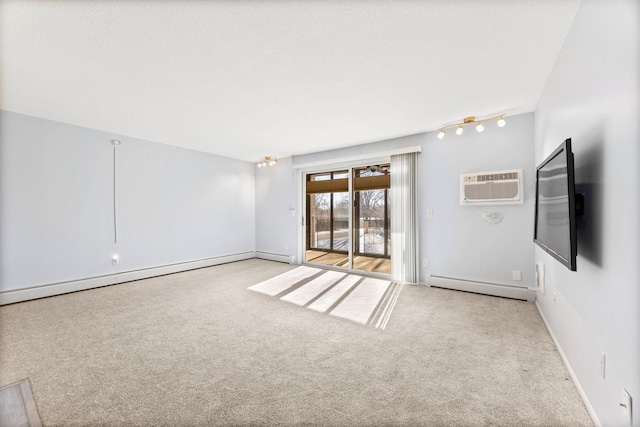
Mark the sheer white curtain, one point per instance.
(404, 217)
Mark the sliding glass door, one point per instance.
(348, 218)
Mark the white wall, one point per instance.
(275, 226)
(56, 204)
(592, 97)
(457, 242)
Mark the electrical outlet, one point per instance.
(429, 213)
(603, 361)
(425, 263)
(517, 275)
(555, 296)
(115, 260)
(625, 406)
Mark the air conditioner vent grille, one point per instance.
(499, 190)
(491, 188)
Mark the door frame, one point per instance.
(300, 177)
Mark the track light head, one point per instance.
(441, 134)
(479, 127)
(501, 122)
(459, 130)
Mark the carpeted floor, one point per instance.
(199, 348)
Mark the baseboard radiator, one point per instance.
(25, 294)
(495, 289)
(275, 257)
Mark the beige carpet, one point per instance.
(198, 348)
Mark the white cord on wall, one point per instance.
(490, 217)
(115, 144)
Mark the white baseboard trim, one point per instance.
(495, 289)
(583, 395)
(25, 294)
(275, 257)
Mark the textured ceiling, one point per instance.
(245, 79)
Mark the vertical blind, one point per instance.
(404, 218)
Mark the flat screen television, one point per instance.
(555, 228)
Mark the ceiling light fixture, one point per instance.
(267, 161)
(470, 120)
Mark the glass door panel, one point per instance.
(320, 230)
(340, 223)
(371, 219)
(372, 224)
(327, 219)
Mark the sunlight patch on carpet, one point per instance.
(329, 298)
(363, 300)
(304, 294)
(284, 281)
(359, 305)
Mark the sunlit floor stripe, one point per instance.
(281, 283)
(382, 324)
(332, 296)
(309, 291)
(362, 301)
(378, 313)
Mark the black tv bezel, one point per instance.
(570, 263)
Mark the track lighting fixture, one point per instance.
(470, 120)
(267, 161)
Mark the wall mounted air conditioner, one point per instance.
(491, 188)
